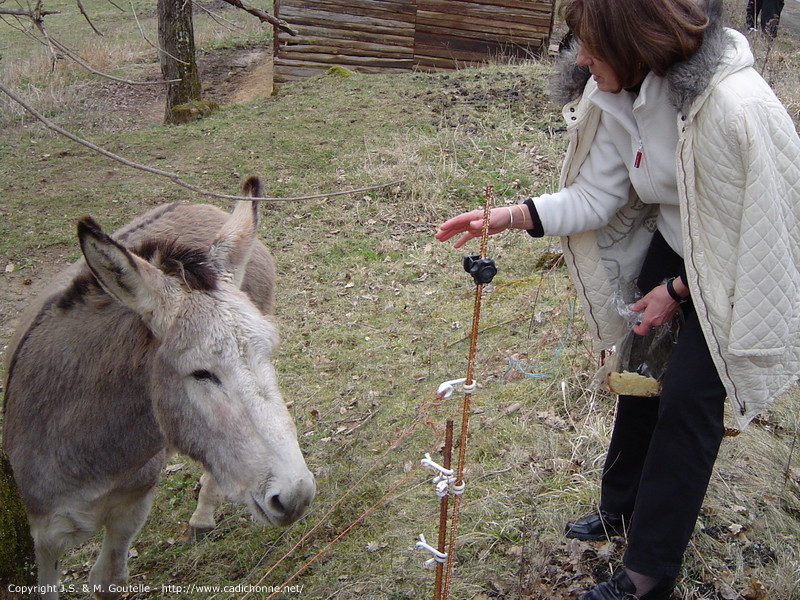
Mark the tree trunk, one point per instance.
(177, 55)
(17, 560)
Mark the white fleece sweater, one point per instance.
(634, 146)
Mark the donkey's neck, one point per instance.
(87, 398)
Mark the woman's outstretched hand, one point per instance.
(471, 225)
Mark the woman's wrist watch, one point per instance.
(673, 294)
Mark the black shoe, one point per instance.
(620, 587)
(600, 525)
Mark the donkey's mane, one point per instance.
(191, 266)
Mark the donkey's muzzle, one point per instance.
(284, 506)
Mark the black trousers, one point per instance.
(663, 449)
(770, 11)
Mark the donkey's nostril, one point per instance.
(276, 504)
(284, 505)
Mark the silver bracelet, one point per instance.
(511, 216)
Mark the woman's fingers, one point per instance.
(464, 239)
(471, 225)
(458, 224)
(655, 309)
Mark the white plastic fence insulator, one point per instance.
(447, 388)
(429, 462)
(422, 544)
(444, 480)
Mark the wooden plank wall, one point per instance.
(390, 35)
(363, 35)
(453, 33)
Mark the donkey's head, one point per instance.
(213, 387)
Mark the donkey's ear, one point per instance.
(233, 245)
(130, 280)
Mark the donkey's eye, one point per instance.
(203, 375)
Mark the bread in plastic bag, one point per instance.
(638, 362)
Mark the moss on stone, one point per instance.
(193, 111)
(339, 71)
(17, 559)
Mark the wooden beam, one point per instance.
(342, 36)
(298, 17)
(289, 70)
(349, 61)
(492, 48)
(352, 47)
(544, 6)
(487, 25)
(402, 10)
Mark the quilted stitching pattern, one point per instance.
(745, 215)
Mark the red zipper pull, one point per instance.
(638, 160)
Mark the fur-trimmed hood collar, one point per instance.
(687, 79)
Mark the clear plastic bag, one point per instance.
(638, 362)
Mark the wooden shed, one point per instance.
(397, 35)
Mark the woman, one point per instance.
(680, 191)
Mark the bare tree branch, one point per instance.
(56, 45)
(38, 20)
(21, 12)
(37, 17)
(117, 6)
(86, 16)
(18, 24)
(144, 37)
(175, 178)
(217, 19)
(263, 16)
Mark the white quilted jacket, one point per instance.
(738, 165)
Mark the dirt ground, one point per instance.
(229, 77)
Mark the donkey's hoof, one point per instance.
(105, 585)
(103, 592)
(195, 534)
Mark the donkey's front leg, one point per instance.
(52, 534)
(122, 524)
(211, 497)
(47, 561)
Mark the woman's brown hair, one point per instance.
(637, 36)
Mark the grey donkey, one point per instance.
(158, 340)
